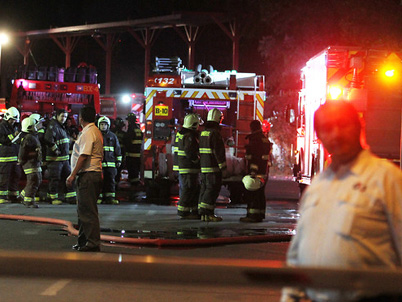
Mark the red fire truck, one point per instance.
(371, 79)
(119, 105)
(173, 91)
(45, 89)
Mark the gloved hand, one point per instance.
(118, 164)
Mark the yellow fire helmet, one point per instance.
(214, 115)
(191, 121)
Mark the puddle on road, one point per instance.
(196, 233)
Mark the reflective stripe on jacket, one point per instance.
(133, 141)
(258, 152)
(188, 152)
(30, 154)
(175, 151)
(212, 149)
(111, 150)
(8, 150)
(56, 138)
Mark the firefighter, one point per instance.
(111, 161)
(189, 167)
(30, 158)
(41, 129)
(133, 144)
(120, 133)
(36, 117)
(213, 164)
(57, 159)
(258, 152)
(10, 170)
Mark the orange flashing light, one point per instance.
(335, 92)
(390, 73)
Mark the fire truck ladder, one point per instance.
(245, 114)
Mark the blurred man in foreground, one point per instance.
(351, 215)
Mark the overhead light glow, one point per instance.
(126, 99)
(3, 39)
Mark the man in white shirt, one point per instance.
(86, 164)
(351, 215)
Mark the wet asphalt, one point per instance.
(136, 218)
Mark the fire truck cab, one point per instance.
(371, 79)
(173, 91)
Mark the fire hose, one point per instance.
(158, 242)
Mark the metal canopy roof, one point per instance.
(176, 19)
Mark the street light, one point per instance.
(3, 40)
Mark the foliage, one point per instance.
(282, 133)
(296, 30)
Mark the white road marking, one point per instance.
(55, 287)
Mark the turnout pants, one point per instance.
(210, 187)
(189, 194)
(58, 173)
(10, 174)
(89, 185)
(256, 203)
(133, 169)
(109, 184)
(32, 186)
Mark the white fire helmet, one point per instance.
(28, 125)
(37, 118)
(103, 119)
(252, 183)
(214, 115)
(12, 113)
(191, 121)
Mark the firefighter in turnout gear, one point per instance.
(111, 161)
(30, 158)
(119, 124)
(189, 167)
(133, 145)
(213, 164)
(10, 170)
(40, 130)
(258, 153)
(57, 159)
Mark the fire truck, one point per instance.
(371, 79)
(43, 89)
(119, 105)
(173, 91)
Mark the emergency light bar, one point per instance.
(209, 104)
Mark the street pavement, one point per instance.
(140, 225)
(136, 219)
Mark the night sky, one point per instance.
(213, 47)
